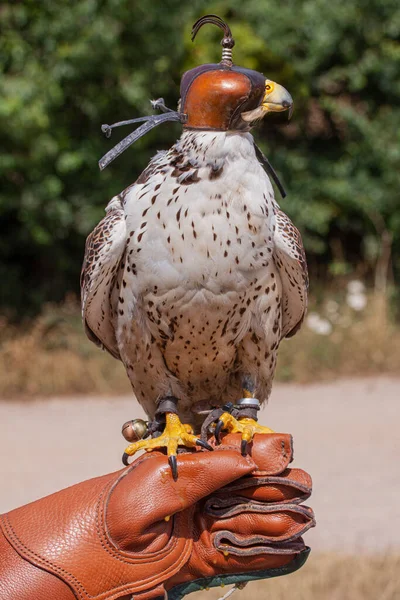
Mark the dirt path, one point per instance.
(346, 435)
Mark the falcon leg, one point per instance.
(175, 434)
(242, 419)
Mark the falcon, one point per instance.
(195, 274)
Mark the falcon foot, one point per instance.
(175, 434)
(242, 419)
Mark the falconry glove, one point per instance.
(138, 533)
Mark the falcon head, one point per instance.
(223, 96)
(214, 97)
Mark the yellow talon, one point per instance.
(247, 427)
(175, 434)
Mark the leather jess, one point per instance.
(138, 532)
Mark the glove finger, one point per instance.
(238, 563)
(230, 544)
(272, 452)
(277, 523)
(129, 512)
(293, 485)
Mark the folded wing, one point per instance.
(104, 253)
(290, 260)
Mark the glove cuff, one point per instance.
(179, 591)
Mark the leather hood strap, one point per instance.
(149, 124)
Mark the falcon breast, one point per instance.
(195, 275)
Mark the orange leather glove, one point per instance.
(227, 519)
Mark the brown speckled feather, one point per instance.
(103, 255)
(195, 276)
(290, 259)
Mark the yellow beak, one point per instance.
(277, 100)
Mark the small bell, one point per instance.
(134, 430)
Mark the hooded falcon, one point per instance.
(195, 274)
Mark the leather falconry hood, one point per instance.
(214, 97)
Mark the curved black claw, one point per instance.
(217, 432)
(174, 466)
(125, 457)
(205, 445)
(243, 447)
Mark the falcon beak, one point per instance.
(276, 98)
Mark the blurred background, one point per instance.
(69, 66)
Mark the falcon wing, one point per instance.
(290, 260)
(104, 250)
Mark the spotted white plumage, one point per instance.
(195, 275)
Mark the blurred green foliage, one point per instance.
(69, 66)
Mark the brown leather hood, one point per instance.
(213, 96)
